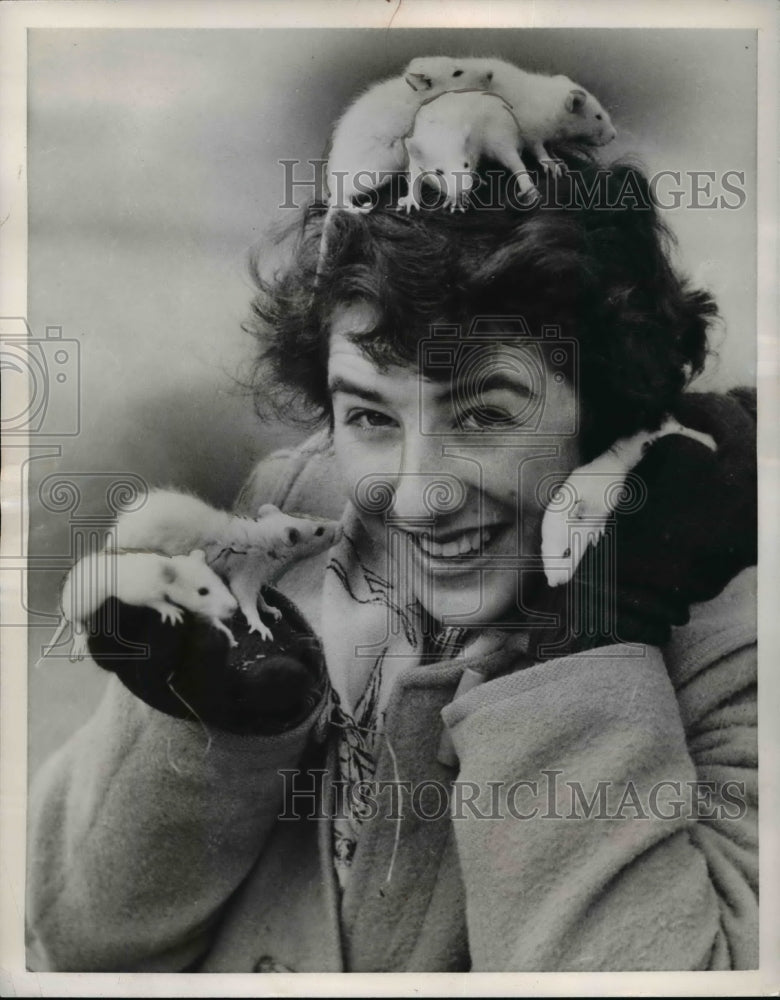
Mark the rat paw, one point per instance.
(171, 614)
(78, 649)
(262, 630)
(267, 609)
(529, 196)
(407, 203)
(553, 166)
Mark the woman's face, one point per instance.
(452, 475)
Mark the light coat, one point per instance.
(150, 851)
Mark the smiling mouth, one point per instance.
(458, 545)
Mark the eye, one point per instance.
(439, 172)
(466, 164)
(319, 531)
(484, 418)
(366, 420)
(600, 117)
(203, 591)
(458, 72)
(293, 536)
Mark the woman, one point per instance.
(491, 773)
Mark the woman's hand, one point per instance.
(189, 671)
(695, 531)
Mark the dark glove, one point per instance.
(189, 671)
(695, 531)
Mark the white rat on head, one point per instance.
(548, 109)
(367, 145)
(453, 131)
(451, 134)
(371, 141)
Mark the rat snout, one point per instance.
(229, 606)
(453, 184)
(608, 133)
(329, 534)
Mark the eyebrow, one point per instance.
(492, 383)
(341, 384)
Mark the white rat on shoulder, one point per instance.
(577, 513)
(144, 579)
(249, 554)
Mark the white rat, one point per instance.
(593, 491)
(249, 554)
(367, 145)
(144, 579)
(548, 109)
(452, 132)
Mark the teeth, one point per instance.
(465, 544)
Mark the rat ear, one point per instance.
(169, 572)
(575, 101)
(198, 554)
(266, 509)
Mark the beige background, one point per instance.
(154, 166)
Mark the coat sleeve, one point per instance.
(303, 480)
(142, 825)
(141, 828)
(614, 821)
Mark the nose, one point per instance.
(426, 487)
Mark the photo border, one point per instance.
(15, 19)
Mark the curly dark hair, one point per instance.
(592, 256)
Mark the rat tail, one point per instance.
(52, 642)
